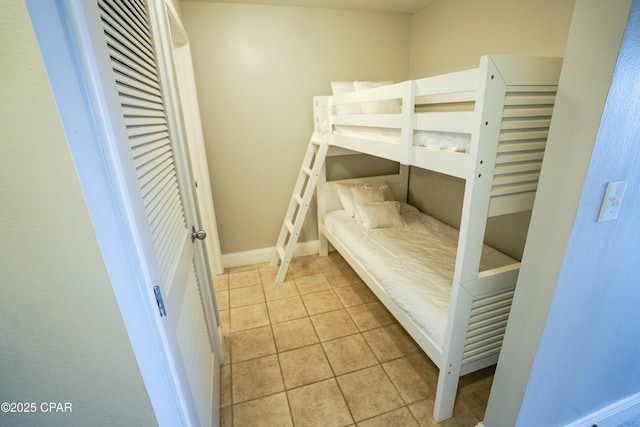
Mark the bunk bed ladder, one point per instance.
(302, 194)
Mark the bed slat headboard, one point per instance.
(523, 135)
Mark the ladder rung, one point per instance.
(289, 226)
(307, 171)
(280, 251)
(297, 199)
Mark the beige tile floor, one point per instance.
(320, 350)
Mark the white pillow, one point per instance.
(385, 189)
(340, 88)
(346, 198)
(370, 85)
(392, 106)
(367, 193)
(363, 195)
(380, 215)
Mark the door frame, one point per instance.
(161, 13)
(193, 128)
(185, 99)
(75, 60)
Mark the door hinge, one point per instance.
(163, 311)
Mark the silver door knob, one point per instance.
(200, 234)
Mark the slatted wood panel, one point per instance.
(200, 304)
(487, 325)
(523, 137)
(128, 36)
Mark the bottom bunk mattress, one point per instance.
(413, 264)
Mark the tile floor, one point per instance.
(320, 350)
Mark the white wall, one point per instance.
(63, 339)
(587, 357)
(257, 69)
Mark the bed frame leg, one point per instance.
(323, 245)
(446, 392)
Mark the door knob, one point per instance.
(200, 234)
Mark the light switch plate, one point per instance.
(612, 200)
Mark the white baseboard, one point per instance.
(258, 256)
(601, 416)
(609, 416)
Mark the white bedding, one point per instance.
(413, 264)
(448, 141)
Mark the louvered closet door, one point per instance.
(128, 36)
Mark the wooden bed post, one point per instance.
(406, 131)
(404, 172)
(323, 243)
(489, 106)
(449, 375)
(321, 113)
(477, 192)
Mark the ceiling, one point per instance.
(395, 6)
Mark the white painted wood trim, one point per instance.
(258, 256)
(195, 138)
(163, 18)
(607, 412)
(191, 155)
(477, 189)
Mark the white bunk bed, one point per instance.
(497, 116)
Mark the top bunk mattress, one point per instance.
(413, 264)
(445, 141)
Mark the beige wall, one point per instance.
(63, 339)
(256, 69)
(177, 5)
(451, 35)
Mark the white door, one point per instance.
(161, 163)
(125, 138)
(178, 58)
